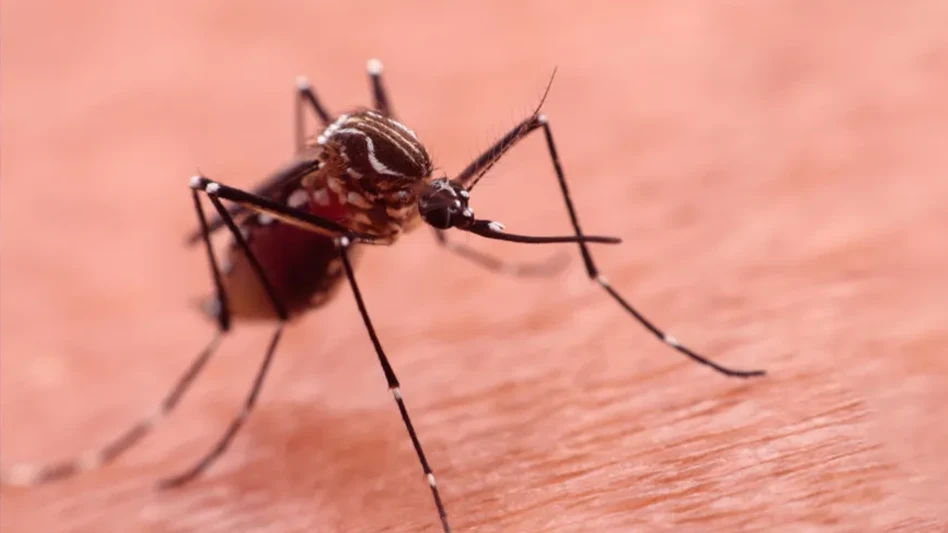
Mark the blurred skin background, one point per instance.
(778, 173)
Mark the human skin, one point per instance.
(777, 171)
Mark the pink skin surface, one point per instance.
(778, 172)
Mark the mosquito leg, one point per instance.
(34, 475)
(470, 175)
(295, 171)
(393, 386)
(551, 266)
(379, 95)
(306, 94)
(280, 310)
(297, 217)
(26, 474)
(594, 273)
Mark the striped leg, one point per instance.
(394, 387)
(379, 94)
(472, 174)
(344, 240)
(238, 421)
(34, 475)
(306, 94)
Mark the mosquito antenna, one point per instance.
(546, 92)
(480, 166)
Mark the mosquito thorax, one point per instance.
(373, 166)
(443, 204)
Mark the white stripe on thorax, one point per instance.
(377, 165)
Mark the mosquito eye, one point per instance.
(438, 218)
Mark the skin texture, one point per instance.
(778, 172)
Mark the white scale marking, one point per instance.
(669, 339)
(298, 199)
(212, 306)
(334, 184)
(374, 66)
(377, 165)
(404, 128)
(321, 197)
(89, 460)
(384, 128)
(357, 200)
(157, 414)
(331, 129)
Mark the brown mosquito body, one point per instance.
(364, 172)
(366, 179)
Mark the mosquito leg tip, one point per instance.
(745, 374)
(302, 83)
(171, 483)
(374, 66)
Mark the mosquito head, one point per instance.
(443, 204)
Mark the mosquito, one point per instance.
(366, 179)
